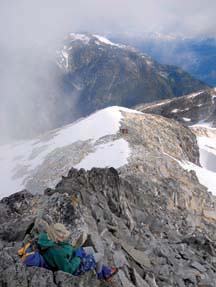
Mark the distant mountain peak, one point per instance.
(75, 39)
(79, 37)
(87, 38)
(106, 41)
(103, 73)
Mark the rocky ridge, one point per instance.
(198, 111)
(153, 145)
(191, 109)
(151, 217)
(152, 242)
(194, 55)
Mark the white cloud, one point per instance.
(51, 18)
(31, 29)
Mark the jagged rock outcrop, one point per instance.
(128, 218)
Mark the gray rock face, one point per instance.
(135, 228)
(189, 109)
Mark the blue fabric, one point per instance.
(100, 276)
(80, 252)
(35, 259)
(87, 263)
(106, 271)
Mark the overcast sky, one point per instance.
(30, 31)
(49, 19)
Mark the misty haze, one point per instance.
(36, 95)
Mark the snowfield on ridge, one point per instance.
(97, 141)
(20, 160)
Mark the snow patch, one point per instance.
(66, 58)
(159, 104)
(206, 177)
(194, 94)
(186, 119)
(107, 42)
(26, 157)
(204, 124)
(207, 148)
(175, 111)
(207, 144)
(113, 154)
(149, 63)
(213, 99)
(81, 37)
(163, 74)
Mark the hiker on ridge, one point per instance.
(60, 255)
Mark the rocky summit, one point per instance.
(150, 216)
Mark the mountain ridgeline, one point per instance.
(190, 109)
(135, 186)
(88, 73)
(101, 73)
(197, 56)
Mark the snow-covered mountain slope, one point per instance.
(206, 138)
(74, 39)
(83, 144)
(145, 147)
